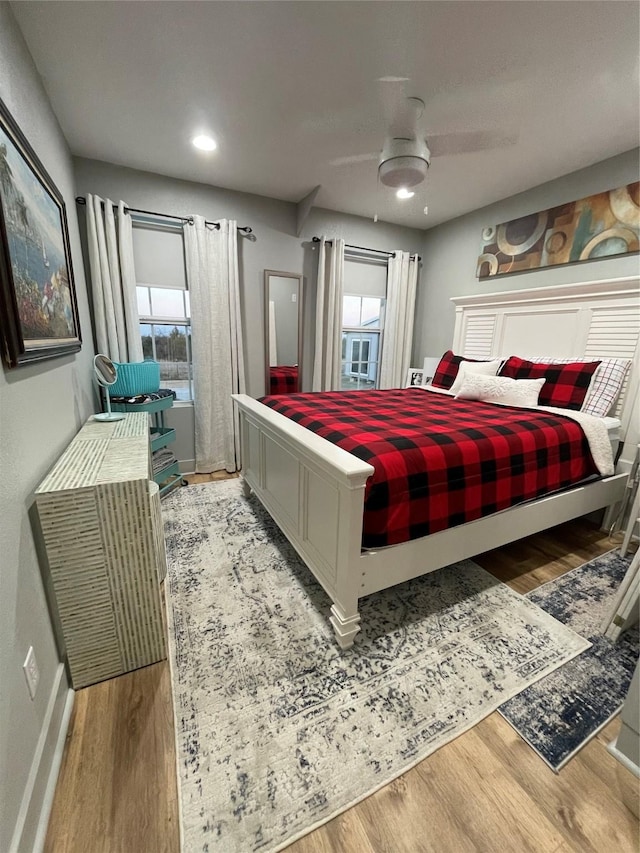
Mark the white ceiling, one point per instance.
(286, 88)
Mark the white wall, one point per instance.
(42, 406)
(276, 247)
(450, 251)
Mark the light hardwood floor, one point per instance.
(485, 791)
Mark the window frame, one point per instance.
(364, 330)
(359, 360)
(175, 321)
(145, 222)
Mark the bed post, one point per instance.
(345, 626)
(345, 618)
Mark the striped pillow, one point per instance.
(567, 382)
(605, 386)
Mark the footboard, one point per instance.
(314, 491)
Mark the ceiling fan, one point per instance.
(406, 153)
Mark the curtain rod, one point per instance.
(363, 248)
(189, 219)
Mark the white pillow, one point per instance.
(501, 389)
(482, 368)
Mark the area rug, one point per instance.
(277, 730)
(562, 712)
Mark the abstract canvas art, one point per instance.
(38, 311)
(598, 226)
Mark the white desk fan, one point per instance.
(106, 375)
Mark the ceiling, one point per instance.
(286, 88)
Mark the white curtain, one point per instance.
(402, 277)
(217, 343)
(113, 280)
(328, 345)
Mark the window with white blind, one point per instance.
(163, 305)
(361, 341)
(363, 304)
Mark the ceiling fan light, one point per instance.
(403, 171)
(204, 143)
(404, 162)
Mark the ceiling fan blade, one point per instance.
(355, 158)
(467, 141)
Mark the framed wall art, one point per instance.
(598, 226)
(38, 308)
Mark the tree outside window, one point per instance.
(165, 329)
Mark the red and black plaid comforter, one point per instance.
(438, 461)
(283, 379)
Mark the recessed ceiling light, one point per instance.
(403, 192)
(205, 143)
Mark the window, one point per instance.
(362, 324)
(165, 329)
(359, 357)
(163, 304)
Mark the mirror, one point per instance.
(283, 331)
(106, 374)
(105, 369)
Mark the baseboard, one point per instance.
(187, 466)
(31, 826)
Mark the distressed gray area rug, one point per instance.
(559, 714)
(277, 730)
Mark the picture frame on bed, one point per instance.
(38, 307)
(416, 377)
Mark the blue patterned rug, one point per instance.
(564, 710)
(277, 730)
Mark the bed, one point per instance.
(283, 379)
(315, 490)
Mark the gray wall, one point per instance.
(276, 247)
(450, 251)
(41, 408)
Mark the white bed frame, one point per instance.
(314, 490)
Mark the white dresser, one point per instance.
(102, 530)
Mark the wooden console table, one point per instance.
(102, 528)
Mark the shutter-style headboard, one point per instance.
(586, 320)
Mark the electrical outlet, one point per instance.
(294, 297)
(31, 672)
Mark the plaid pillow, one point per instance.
(447, 369)
(566, 386)
(606, 384)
